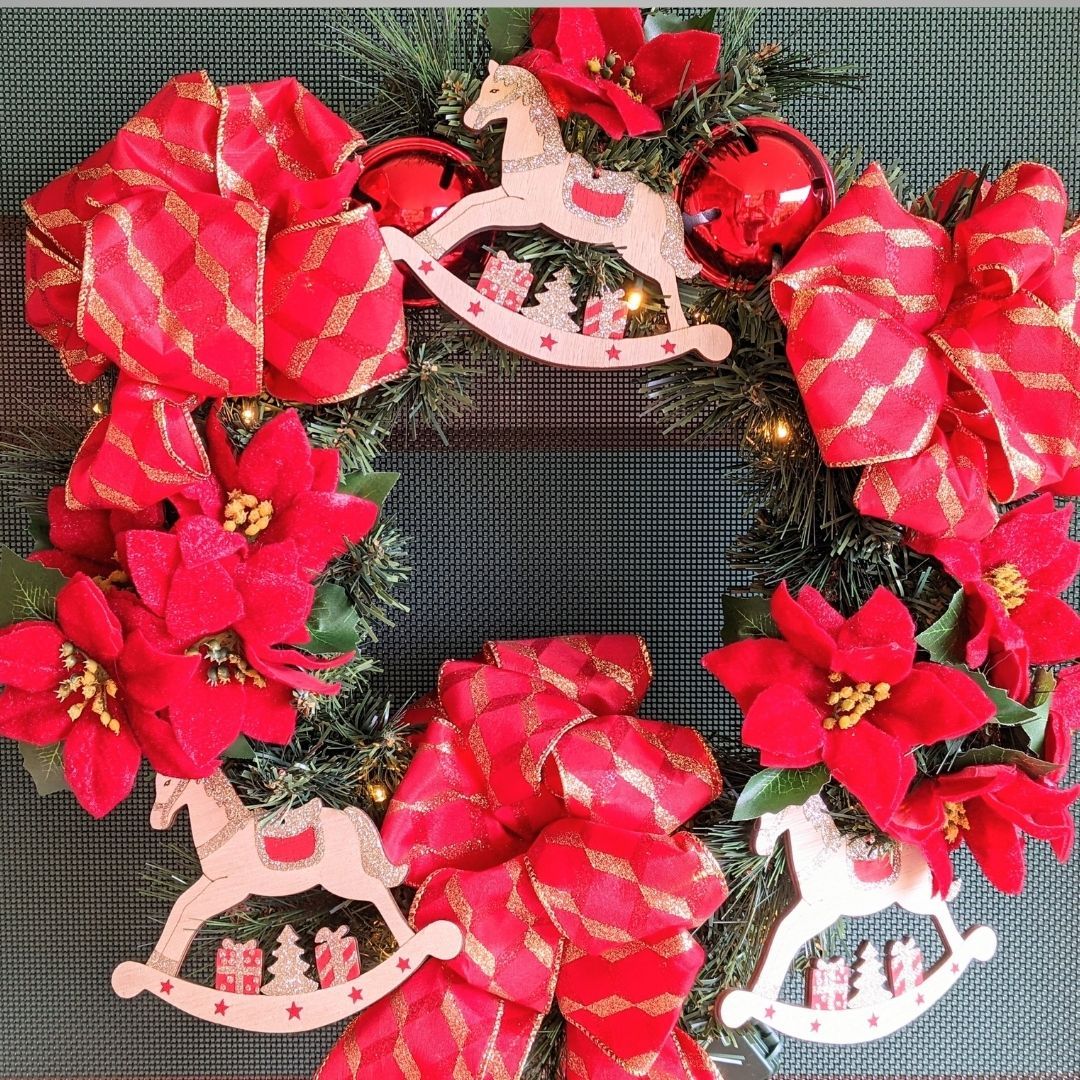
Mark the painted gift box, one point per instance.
(606, 315)
(827, 983)
(904, 964)
(238, 967)
(336, 957)
(505, 281)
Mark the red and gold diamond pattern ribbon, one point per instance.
(212, 246)
(948, 366)
(542, 817)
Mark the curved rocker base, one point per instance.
(557, 348)
(304, 1012)
(848, 1026)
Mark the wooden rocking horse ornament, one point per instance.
(242, 854)
(543, 184)
(837, 877)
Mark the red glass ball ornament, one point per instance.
(750, 199)
(408, 183)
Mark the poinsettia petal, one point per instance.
(809, 624)
(962, 559)
(326, 470)
(786, 727)
(85, 533)
(276, 463)
(30, 655)
(86, 619)
(1050, 627)
(203, 540)
(276, 603)
(1038, 808)
(322, 525)
(747, 668)
(69, 565)
(673, 64)
(221, 453)
(872, 765)
(32, 716)
(289, 666)
(100, 766)
(153, 676)
(877, 643)
(932, 704)
(270, 716)
(621, 30)
(159, 745)
(202, 600)
(150, 559)
(985, 617)
(636, 117)
(997, 846)
(1064, 717)
(1008, 664)
(207, 719)
(1034, 537)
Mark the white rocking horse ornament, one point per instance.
(243, 853)
(543, 184)
(835, 878)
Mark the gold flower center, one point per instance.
(956, 820)
(90, 684)
(852, 701)
(226, 660)
(247, 513)
(606, 70)
(1008, 583)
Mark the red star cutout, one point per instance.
(294, 1011)
(547, 341)
(668, 347)
(166, 987)
(920, 999)
(356, 994)
(403, 964)
(955, 968)
(872, 1021)
(426, 267)
(613, 353)
(220, 1007)
(815, 1026)
(475, 308)
(770, 1012)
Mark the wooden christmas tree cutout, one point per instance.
(245, 854)
(835, 877)
(543, 184)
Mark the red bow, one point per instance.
(211, 235)
(541, 818)
(950, 367)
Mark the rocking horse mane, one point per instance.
(530, 91)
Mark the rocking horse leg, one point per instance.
(669, 283)
(503, 212)
(207, 897)
(431, 238)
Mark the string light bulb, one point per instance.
(378, 793)
(634, 297)
(781, 431)
(98, 408)
(248, 414)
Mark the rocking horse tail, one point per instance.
(372, 856)
(673, 242)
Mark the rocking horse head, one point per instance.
(170, 794)
(505, 85)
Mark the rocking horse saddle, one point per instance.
(607, 197)
(290, 840)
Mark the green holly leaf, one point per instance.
(663, 22)
(944, 639)
(1000, 755)
(746, 617)
(45, 764)
(38, 528)
(373, 486)
(27, 589)
(508, 31)
(1009, 712)
(770, 790)
(239, 750)
(332, 622)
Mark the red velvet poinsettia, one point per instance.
(991, 808)
(1064, 719)
(83, 681)
(1013, 581)
(279, 488)
(84, 541)
(236, 608)
(846, 692)
(570, 56)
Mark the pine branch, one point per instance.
(370, 572)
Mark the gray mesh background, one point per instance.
(556, 508)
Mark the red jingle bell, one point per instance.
(408, 183)
(749, 199)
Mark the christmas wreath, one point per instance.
(269, 295)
